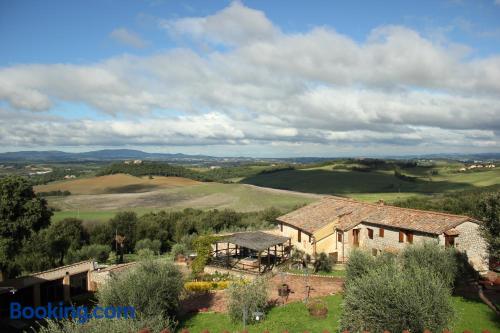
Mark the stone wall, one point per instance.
(470, 242)
(390, 241)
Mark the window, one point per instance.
(409, 237)
(370, 233)
(309, 238)
(299, 236)
(381, 232)
(401, 237)
(339, 236)
(281, 227)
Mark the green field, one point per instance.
(239, 197)
(376, 184)
(294, 318)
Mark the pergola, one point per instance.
(254, 251)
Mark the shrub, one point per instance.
(155, 324)
(205, 286)
(95, 251)
(433, 258)
(317, 308)
(322, 263)
(153, 245)
(247, 297)
(409, 292)
(178, 249)
(360, 262)
(388, 298)
(153, 288)
(145, 254)
(203, 247)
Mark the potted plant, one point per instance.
(317, 308)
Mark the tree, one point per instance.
(124, 224)
(489, 210)
(409, 292)
(64, 235)
(152, 288)
(21, 214)
(245, 298)
(153, 245)
(388, 298)
(96, 252)
(35, 255)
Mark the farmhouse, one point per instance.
(336, 225)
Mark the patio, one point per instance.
(255, 252)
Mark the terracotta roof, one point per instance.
(452, 232)
(348, 213)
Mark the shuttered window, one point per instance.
(299, 234)
(281, 227)
(370, 233)
(339, 236)
(401, 237)
(381, 232)
(409, 237)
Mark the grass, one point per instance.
(375, 185)
(117, 183)
(239, 197)
(333, 272)
(294, 318)
(474, 316)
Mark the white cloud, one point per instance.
(234, 25)
(127, 37)
(269, 88)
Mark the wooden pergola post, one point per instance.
(259, 261)
(275, 254)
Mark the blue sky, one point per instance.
(256, 78)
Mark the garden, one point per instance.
(408, 291)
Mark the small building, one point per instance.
(254, 252)
(53, 285)
(336, 225)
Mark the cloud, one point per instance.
(318, 88)
(234, 25)
(128, 38)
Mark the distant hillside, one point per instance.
(153, 169)
(97, 155)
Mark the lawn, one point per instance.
(294, 318)
(333, 272)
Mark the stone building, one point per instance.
(336, 225)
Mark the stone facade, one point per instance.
(469, 241)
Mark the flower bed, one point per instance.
(205, 286)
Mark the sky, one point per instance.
(251, 78)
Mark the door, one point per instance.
(355, 237)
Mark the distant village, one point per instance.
(477, 166)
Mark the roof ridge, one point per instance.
(398, 208)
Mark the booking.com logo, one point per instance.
(59, 311)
